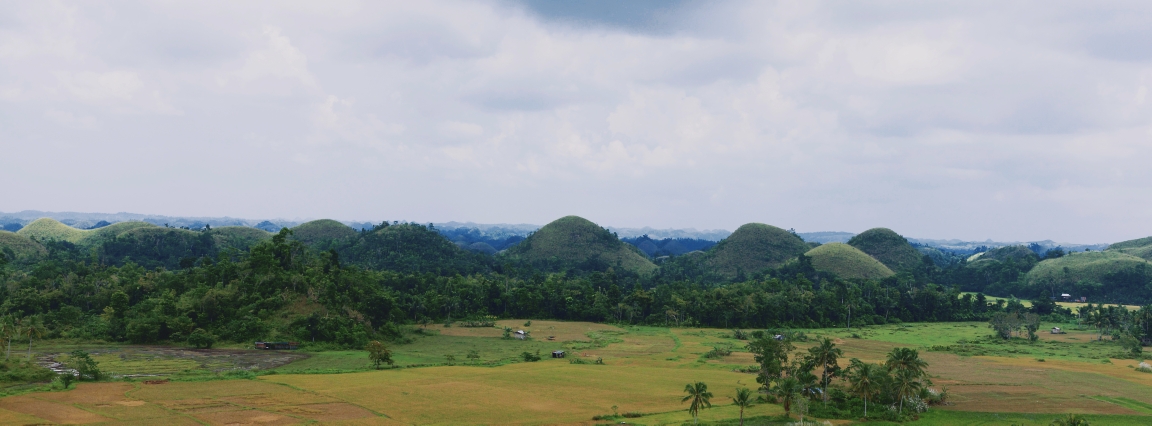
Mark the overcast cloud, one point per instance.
(973, 120)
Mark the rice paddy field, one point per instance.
(644, 371)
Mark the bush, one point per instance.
(530, 357)
(86, 367)
(201, 339)
(739, 334)
(718, 352)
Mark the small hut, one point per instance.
(521, 334)
(557, 354)
(1057, 330)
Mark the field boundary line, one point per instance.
(308, 391)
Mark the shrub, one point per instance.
(1144, 368)
(201, 339)
(718, 352)
(86, 367)
(530, 357)
(739, 334)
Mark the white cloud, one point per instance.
(806, 114)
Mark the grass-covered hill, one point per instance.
(889, 248)
(1141, 248)
(323, 233)
(846, 261)
(19, 248)
(50, 229)
(410, 248)
(753, 248)
(239, 237)
(1109, 274)
(575, 243)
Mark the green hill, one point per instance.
(847, 262)
(888, 247)
(1091, 267)
(754, 247)
(1141, 248)
(573, 242)
(1015, 253)
(322, 233)
(411, 248)
(51, 229)
(239, 237)
(19, 248)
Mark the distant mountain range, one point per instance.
(14, 221)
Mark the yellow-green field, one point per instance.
(644, 371)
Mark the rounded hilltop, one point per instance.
(889, 248)
(754, 247)
(322, 232)
(847, 262)
(575, 243)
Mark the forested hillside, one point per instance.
(325, 282)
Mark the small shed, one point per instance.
(1057, 330)
(520, 334)
(778, 337)
(557, 354)
(1065, 296)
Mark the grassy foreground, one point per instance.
(645, 369)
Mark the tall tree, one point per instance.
(743, 399)
(700, 398)
(863, 379)
(32, 326)
(827, 356)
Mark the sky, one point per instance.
(970, 119)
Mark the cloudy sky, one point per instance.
(972, 120)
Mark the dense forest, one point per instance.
(344, 288)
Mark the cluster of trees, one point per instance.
(901, 382)
(354, 293)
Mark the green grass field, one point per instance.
(322, 231)
(644, 370)
(51, 229)
(888, 247)
(21, 247)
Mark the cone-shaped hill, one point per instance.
(322, 233)
(575, 243)
(754, 247)
(847, 262)
(410, 248)
(888, 247)
(1141, 248)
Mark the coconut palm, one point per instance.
(700, 398)
(863, 380)
(743, 400)
(901, 359)
(788, 390)
(827, 356)
(907, 384)
(8, 330)
(31, 327)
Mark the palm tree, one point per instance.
(743, 400)
(906, 384)
(863, 381)
(906, 359)
(8, 330)
(700, 397)
(788, 389)
(31, 327)
(827, 355)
